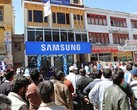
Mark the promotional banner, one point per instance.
(42, 48)
(58, 2)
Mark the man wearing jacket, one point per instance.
(114, 97)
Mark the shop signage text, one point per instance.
(131, 42)
(41, 48)
(104, 49)
(127, 48)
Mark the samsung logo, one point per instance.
(60, 47)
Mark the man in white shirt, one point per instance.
(96, 94)
(72, 76)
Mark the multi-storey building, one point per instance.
(6, 31)
(65, 24)
(107, 31)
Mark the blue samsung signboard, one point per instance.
(58, 2)
(42, 48)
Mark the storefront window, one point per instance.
(58, 62)
(70, 36)
(48, 35)
(64, 36)
(105, 56)
(84, 37)
(39, 35)
(32, 61)
(78, 37)
(56, 35)
(31, 35)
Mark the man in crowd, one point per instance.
(81, 84)
(31, 94)
(96, 94)
(5, 87)
(46, 93)
(114, 97)
(5, 102)
(127, 75)
(87, 89)
(72, 77)
(62, 94)
(19, 87)
(133, 85)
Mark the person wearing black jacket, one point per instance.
(81, 84)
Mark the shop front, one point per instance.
(103, 53)
(122, 56)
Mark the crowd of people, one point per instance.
(96, 87)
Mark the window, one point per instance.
(31, 36)
(37, 16)
(88, 19)
(30, 15)
(63, 36)
(76, 1)
(54, 17)
(134, 23)
(55, 35)
(61, 18)
(48, 36)
(84, 37)
(118, 22)
(32, 61)
(39, 35)
(78, 37)
(17, 46)
(102, 38)
(135, 36)
(70, 36)
(97, 19)
(78, 19)
(1, 13)
(119, 38)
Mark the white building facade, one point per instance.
(107, 31)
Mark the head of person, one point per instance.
(9, 75)
(82, 72)
(118, 76)
(73, 69)
(60, 76)
(107, 73)
(135, 65)
(19, 85)
(46, 91)
(98, 74)
(131, 63)
(5, 102)
(134, 73)
(124, 63)
(128, 67)
(35, 75)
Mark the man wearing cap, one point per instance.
(72, 77)
(133, 85)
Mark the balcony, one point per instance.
(2, 48)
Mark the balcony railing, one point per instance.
(2, 48)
